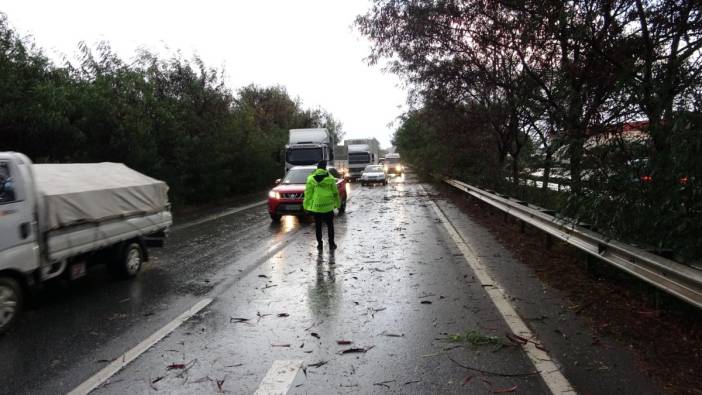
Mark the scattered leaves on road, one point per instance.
(157, 379)
(314, 334)
(475, 338)
(283, 315)
(175, 366)
(388, 334)
(318, 364)
(220, 384)
(384, 383)
(343, 342)
(505, 390)
(426, 302)
(356, 350)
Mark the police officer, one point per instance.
(321, 198)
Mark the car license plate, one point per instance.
(78, 270)
(291, 207)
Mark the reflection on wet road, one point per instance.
(324, 296)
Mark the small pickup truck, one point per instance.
(56, 219)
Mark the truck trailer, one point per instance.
(56, 219)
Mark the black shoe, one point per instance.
(332, 245)
(319, 245)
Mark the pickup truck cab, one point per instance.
(286, 198)
(56, 219)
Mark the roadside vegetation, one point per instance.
(171, 118)
(603, 98)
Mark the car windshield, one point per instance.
(297, 176)
(373, 169)
(304, 156)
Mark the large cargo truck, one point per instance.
(56, 219)
(308, 147)
(361, 153)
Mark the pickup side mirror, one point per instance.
(278, 181)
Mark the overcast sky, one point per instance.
(308, 46)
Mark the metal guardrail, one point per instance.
(672, 277)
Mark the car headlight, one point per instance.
(386, 167)
(398, 167)
(274, 195)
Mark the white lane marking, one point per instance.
(122, 361)
(218, 215)
(544, 364)
(279, 377)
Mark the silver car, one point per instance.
(374, 174)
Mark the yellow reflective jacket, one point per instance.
(321, 192)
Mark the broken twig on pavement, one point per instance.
(491, 373)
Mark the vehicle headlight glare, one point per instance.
(274, 195)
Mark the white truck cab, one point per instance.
(56, 219)
(19, 249)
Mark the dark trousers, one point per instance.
(328, 218)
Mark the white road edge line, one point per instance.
(544, 364)
(217, 216)
(279, 377)
(115, 366)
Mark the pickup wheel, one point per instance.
(275, 217)
(127, 262)
(11, 302)
(342, 208)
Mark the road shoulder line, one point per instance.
(123, 360)
(544, 364)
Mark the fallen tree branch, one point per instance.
(491, 373)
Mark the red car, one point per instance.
(286, 198)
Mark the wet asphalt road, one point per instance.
(398, 287)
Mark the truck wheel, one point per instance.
(128, 263)
(275, 217)
(11, 302)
